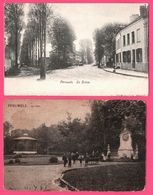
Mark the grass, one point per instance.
(33, 160)
(123, 177)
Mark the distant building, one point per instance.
(132, 43)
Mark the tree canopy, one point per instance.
(13, 27)
(62, 37)
(105, 41)
(108, 119)
(86, 51)
(34, 42)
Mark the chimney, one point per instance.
(133, 17)
(143, 11)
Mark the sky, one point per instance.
(86, 17)
(28, 114)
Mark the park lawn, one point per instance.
(33, 160)
(121, 177)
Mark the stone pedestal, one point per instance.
(125, 149)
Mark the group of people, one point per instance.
(72, 157)
(95, 156)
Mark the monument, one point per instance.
(125, 149)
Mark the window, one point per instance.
(139, 55)
(127, 56)
(133, 37)
(138, 35)
(124, 41)
(128, 39)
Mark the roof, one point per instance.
(25, 138)
(139, 18)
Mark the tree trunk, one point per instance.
(37, 51)
(43, 42)
(16, 47)
(32, 53)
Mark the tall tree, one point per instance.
(43, 17)
(7, 128)
(13, 27)
(35, 36)
(29, 49)
(99, 48)
(86, 51)
(62, 37)
(108, 119)
(73, 132)
(105, 41)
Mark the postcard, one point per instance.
(76, 49)
(74, 145)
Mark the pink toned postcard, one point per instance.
(76, 97)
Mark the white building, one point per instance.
(132, 43)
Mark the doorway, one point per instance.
(133, 58)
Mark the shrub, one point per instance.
(59, 63)
(17, 160)
(53, 159)
(11, 162)
(18, 156)
(13, 71)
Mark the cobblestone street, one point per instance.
(87, 80)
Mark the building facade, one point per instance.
(132, 43)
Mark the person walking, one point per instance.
(69, 160)
(80, 158)
(86, 159)
(73, 155)
(64, 158)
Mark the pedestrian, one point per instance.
(80, 158)
(77, 155)
(73, 157)
(64, 158)
(86, 159)
(69, 160)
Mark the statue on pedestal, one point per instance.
(108, 152)
(125, 149)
